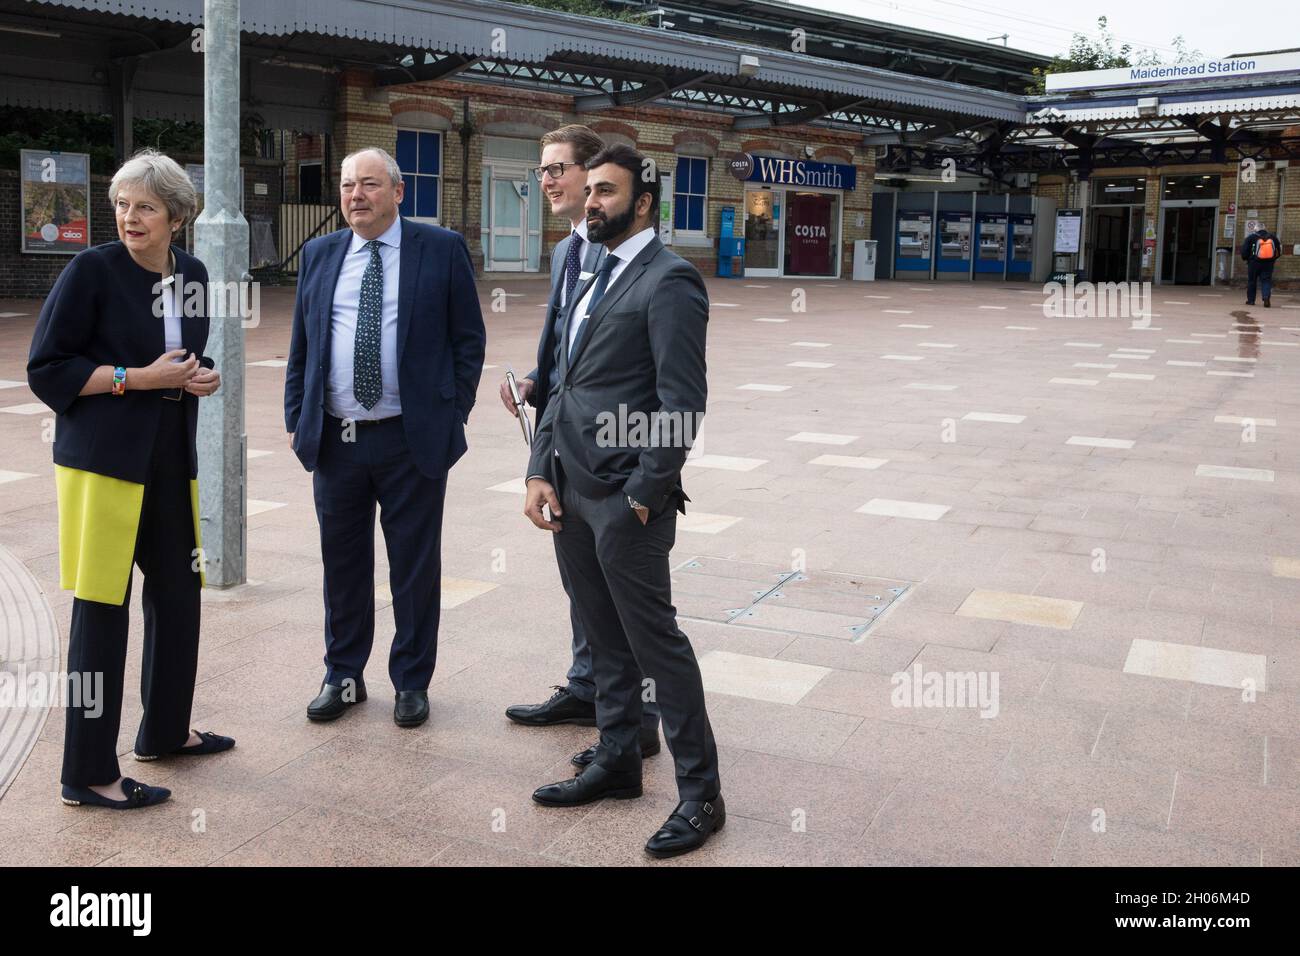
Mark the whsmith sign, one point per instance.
(792, 172)
(1237, 67)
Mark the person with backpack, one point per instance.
(1260, 250)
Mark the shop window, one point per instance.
(419, 154)
(691, 194)
(1190, 187)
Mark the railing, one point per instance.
(296, 225)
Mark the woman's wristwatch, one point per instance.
(119, 380)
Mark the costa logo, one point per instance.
(812, 232)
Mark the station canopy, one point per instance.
(921, 96)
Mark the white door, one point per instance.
(507, 231)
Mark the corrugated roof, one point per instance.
(516, 33)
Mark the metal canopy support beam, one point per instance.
(221, 242)
(121, 94)
(806, 114)
(421, 72)
(652, 89)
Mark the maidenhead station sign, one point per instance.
(1235, 67)
(792, 172)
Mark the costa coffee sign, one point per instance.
(740, 166)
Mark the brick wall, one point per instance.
(369, 116)
(1261, 195)
(32, 275)
(29, 275)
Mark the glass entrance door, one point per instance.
(508, 227)
(762, 233)
(1188, 245)
(811, 234)
(1109, 255)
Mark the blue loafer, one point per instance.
(137, 795)
(209, 743)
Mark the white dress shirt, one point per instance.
(171, 320)
(339, 399)
(628, 250)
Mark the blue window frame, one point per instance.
(419, 154)
(690, 194)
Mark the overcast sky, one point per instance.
(1047, 27)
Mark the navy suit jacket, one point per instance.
(440, 343)
(592, 253)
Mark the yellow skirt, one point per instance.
(99, 518)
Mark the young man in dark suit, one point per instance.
(384, 363)
(563, 176)
(632, 352)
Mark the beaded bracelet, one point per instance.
(119, 380)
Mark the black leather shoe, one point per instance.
(412, 708)
(562, 708)
(1268, 304)
(689, 826)
(649, 747)
(594, 783)
(333, 699)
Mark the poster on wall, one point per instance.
(808, 242)
(55, 202)
(1068, 227)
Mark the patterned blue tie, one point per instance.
(572, 265)
(367, 380)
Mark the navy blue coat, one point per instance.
(101, 312)
(440, 344)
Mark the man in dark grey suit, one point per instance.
(607, 462)
(563, 177)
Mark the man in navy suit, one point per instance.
(384, 363)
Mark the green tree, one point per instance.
(1102, 53)
(586, 8)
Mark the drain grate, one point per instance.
(817, 603)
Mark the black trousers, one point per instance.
(164, 552)
(622, 590)
(1259, 273)
(359, 468)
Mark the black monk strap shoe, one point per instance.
(689, 826)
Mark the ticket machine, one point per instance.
(991, 251)
(912, 245)
(954, 245)
(1020, 250)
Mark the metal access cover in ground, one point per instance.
(817, 603)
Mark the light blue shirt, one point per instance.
(339, 399)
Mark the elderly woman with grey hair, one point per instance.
(118, 356)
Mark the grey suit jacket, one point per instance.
(632, 392)
(541, 373)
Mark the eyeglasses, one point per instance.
(555, 169)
